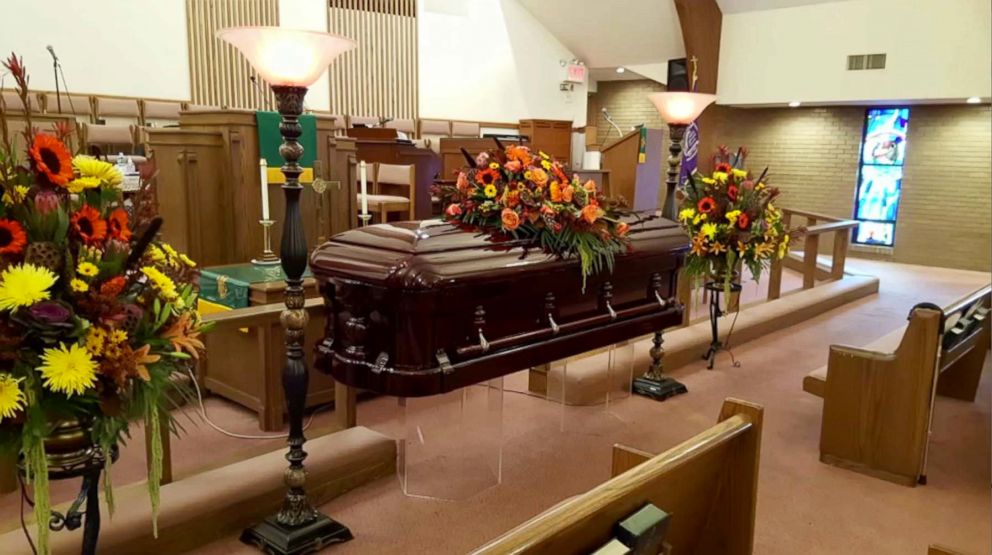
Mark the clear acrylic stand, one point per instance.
(452, 444)
(585, 393)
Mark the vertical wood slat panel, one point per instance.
(379, 78)
(219, 74)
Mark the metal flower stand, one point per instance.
(715, 288)
(88, 466)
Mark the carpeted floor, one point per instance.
(803, 506)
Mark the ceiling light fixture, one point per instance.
(621, 69)
(973, 100)
(794, 104)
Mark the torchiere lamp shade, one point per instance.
(287, 57)
(680, 108)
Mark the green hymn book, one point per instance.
(269, 140)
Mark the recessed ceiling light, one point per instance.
(794, 104)
(973, 100)
(621, 69)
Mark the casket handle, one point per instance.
(482, 342)
(554, 325)
(609, 308)
(661, 302)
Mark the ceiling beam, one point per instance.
(701, 21)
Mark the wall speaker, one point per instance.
(678, 75)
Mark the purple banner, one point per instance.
(690, 151)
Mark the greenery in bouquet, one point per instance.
(731, 220)
(514, 193)
(95, 319)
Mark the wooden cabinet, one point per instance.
(551, 136)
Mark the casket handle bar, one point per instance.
(661, 302)
(549, 309)
(568, 327)
(555, 328)
(480, 321)
(380, 362)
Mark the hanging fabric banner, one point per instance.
(690, 151)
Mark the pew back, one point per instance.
(708, 484)
(965, 342)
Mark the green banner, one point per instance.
(269, 140)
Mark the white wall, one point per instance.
(490, 60)
(116, 47)
(937, 50)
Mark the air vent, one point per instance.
(857, 62)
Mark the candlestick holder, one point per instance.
(268, 257)
(365, 219)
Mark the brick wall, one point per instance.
(628, 104)
(944, 211)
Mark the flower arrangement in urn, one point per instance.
(94, 318)
(731, 219)
(515, 193)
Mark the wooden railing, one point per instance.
(815, 226)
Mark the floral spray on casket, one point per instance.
(94, 319)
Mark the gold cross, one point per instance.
(695, 67)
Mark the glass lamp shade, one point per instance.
(680, 108)
(292, 57)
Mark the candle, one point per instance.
(365, 191)
(263, 169)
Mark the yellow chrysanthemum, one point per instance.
(759, 186)
(490, 191)
(80, 184)
(24, 285)
(720, 177)
(698, 218)
(709, 181)
(87, 269)
(169, 250)
(96, 338)
(88, 166)
(187, 260)
(11, 397)
(545, 164)
(155, 254)
(70, 370)
(18, 194)
(166, 287)
(687, 214)
(783, 247)
(79, 286)
(708, 230)
(732, 216)
(739, 174)
(118, 336)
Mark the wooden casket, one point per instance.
(420, 308)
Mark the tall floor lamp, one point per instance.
(678, 109)
(291, 60)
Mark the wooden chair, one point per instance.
(392, 190)
(431, 131)
(465, 129)
(160, 113)
(707, 484)
(81, 107)
(878, 403)
(117, 111)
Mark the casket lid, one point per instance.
(435, 236)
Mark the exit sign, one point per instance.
(575, 73)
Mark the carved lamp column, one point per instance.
(678, 109)
(291, 60)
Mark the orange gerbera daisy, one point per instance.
(117, 222)
(113, 286)
(51, 159)
(12, 237)
(88, 225)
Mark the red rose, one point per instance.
(723, 167)
(732, 192)
(743, 221)
(453, 210)
(706, 205)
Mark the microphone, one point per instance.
(609, 118)
(261, 91)
(384, 121)
(52, 52)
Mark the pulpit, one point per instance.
(209, 187)
(379, 144)
(634, 164)
(452, 158)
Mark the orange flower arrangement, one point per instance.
(51, 159)
(117, 223)
(88, 225)
(12, 237)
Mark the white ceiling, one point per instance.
(606, 34)
(736, 6)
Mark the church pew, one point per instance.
(708, 484)
(865, 390)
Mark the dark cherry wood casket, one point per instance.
(420, 308)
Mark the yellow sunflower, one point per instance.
(87, 269)
(88, 166)
(11, 397)
(95, 340)
(80, 184)
(24, 285)
(70, 370)
(490, 191)
(79, 286)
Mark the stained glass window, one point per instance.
(883, 150)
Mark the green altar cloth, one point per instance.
(229, 285)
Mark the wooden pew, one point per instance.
(878, 402)
(707, 484)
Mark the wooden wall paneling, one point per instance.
(701, 22)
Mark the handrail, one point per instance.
(837, 225)
(814, 215)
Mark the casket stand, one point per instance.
(422, 308)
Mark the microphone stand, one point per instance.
(65, 86)
(55, 71)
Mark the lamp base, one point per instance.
(267, 259)
(658, 389)
(276, 539)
